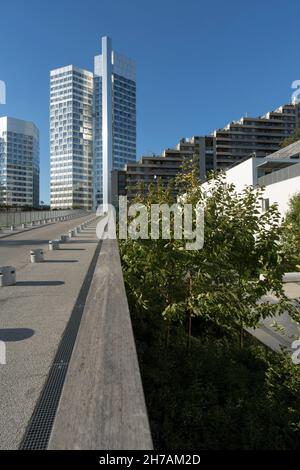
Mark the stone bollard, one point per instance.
(23, 225)
(36, 256)
(53, 245)
(7, 276)
(64, 238)
(71, 234)
(12, 228)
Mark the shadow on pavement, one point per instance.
(71, 249)
(39, 283)
(15, 334)
(6, 242)
(83, 241)
(60, 261)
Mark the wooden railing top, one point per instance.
(102, 404)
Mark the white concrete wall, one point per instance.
(282, 192)
(242, 175)
(245, 174)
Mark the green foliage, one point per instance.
(291, 139)
(222, 281)
(216, 396)
(206, 387)
(291, 234)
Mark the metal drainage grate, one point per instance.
(40, 426)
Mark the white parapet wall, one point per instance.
(282, 192)
(279, 192)
(243, 174)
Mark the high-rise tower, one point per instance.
(19, 163)
(114, 117)
(71, 137)
(92, 128)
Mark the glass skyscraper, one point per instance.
(114, 118)
(19, 163)
(92, 128)
(71, 137)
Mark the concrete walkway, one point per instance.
(34, 314)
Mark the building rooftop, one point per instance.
(19, 126)
(291, 151)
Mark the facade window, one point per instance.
(265, 204)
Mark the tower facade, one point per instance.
(114, 118)
(92, 128)
(19, 163)
(71, 137)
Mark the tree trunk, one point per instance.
(168, 334)
(241, 336)
(190, 330)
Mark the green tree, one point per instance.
(291, 233)
(291, 139)
(224, 283)
(213, 394)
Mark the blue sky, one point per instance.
(200, 64)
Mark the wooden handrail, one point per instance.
(102, 404)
